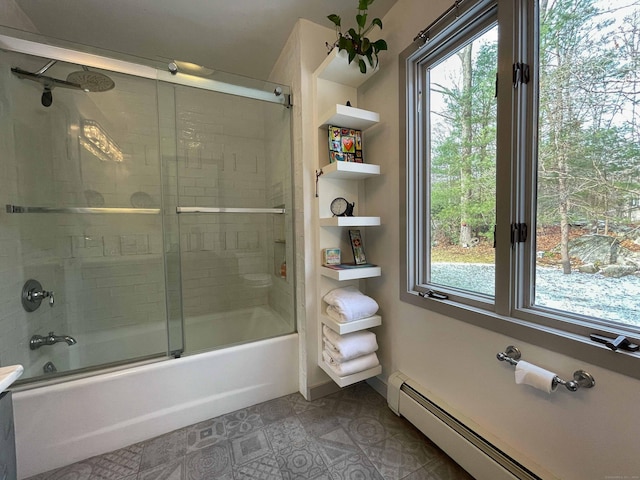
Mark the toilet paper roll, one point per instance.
(529, 374)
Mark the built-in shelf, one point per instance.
(348, 117)
(336, 68)
(350, 170)
(351, 273)
(353, 326)
(336, 82)
(350, 222)
(350, 379)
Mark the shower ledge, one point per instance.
(8, 375)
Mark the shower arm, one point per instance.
(46, 67)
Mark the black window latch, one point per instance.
(518, 233)
(433, 294)
(621, 342)
(520, 74)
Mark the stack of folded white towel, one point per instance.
(349, 353)
(348, 304)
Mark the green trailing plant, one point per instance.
(355, 42)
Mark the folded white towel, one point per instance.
(337, 357)
(350, 345)
(331, 349)
(332, 313)
(348, 303)
(352, 366)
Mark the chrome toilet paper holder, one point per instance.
(581, 379)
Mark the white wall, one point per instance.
(588, 434)
(301, 55)
(12, 16)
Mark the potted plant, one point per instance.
(355, 42)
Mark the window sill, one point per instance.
(573, 345)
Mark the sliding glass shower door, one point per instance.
(145, 214)
(234, 209)
(81, 190)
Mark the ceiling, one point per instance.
(237, 36)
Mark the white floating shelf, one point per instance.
(350, 222)
(351, 273)
(348, 117)
(350, 379)
(354, 326)
(337, 68)
(350, 170)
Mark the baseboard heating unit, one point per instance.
(479, 457)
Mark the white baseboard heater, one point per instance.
(476, 455)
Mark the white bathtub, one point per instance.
(206, 332)
(67, 422)
(102, 348)
(202, 333)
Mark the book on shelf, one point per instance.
(357, 247)
(345, 145)
(331, 256)
(347, 266)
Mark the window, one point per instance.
(588, 162)
(460, 115)
(522, 182)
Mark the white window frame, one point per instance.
(565, 333)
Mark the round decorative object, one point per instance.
(339, 206)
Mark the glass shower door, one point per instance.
(82, 195)
(234, 204)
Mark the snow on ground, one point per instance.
(614, 299)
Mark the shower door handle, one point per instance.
(279, 211)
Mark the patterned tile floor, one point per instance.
(350, 435)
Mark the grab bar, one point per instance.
(229, 210)
(19, 209)
(581, 379)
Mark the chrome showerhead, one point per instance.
(91, 81)
(47, 82)
(85, 79)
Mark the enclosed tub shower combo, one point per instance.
(145, 236)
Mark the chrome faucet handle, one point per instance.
(32, 295)
(35, 295)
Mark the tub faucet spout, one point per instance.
(38, 340)
(69, 339)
